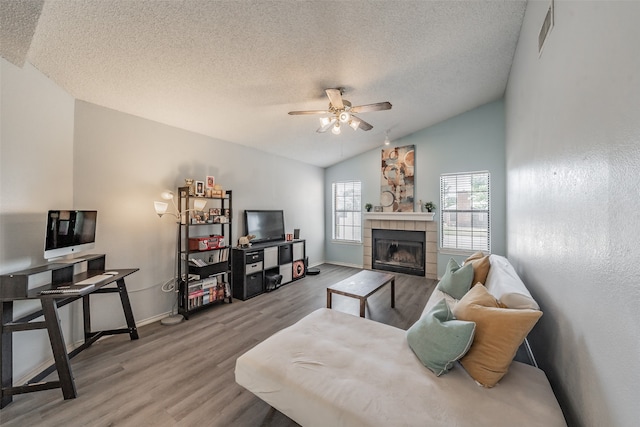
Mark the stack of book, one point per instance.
(215, 257)
(206, 291)
(221, 255)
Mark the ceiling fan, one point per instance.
(341, 113)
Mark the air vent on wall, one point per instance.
(547, 25)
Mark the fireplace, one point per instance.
(421, 222)
(401, 251)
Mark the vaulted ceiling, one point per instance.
(233, 69)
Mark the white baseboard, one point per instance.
(153, 319)
(41, 367)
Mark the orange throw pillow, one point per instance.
(481, 265)
(499, 333)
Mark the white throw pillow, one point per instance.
(505, 285)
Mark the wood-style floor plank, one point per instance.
(183, 375)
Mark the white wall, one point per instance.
(573, 162)
(60, 153)
(36, 174)
(122, 163)
(469, 142)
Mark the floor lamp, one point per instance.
(174, 284)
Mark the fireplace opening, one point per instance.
(400, 251)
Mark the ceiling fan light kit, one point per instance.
(341, 111)
(325, 121)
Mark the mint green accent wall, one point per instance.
(472, 141)
(364, 168)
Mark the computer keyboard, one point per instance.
(74, 289)
(95, 279)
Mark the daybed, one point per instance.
(336, 369)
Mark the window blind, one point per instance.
(465, 211)
(347, 211)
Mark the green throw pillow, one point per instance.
(456, 280)
(438, 339)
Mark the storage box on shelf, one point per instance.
(204, 268)
(255, 267)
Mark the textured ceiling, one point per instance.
(233, 69)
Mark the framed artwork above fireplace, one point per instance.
(397, 179)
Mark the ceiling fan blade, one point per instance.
(358, 123)
(335, 97)
(300, 113)
(327, 126)
(371, 107)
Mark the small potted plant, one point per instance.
(430, 206)
(368, 207)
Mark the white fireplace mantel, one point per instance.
(399, 216)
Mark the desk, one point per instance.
(50, 304)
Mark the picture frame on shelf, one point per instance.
(211, 181)
(199, 189)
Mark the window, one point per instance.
(465, 212)
(347, 211)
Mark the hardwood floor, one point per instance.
(183, 375)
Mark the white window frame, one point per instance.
(346, 214)
(474, 233)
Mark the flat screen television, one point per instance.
(266, 225)
(69, 232)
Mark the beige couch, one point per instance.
(335, 369)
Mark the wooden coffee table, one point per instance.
(361, 285)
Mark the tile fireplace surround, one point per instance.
(417, 221)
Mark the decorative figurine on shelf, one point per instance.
(245, 241)
(189, 183)
(218, 192)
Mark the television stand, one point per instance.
(253, 265)
(17, 286)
